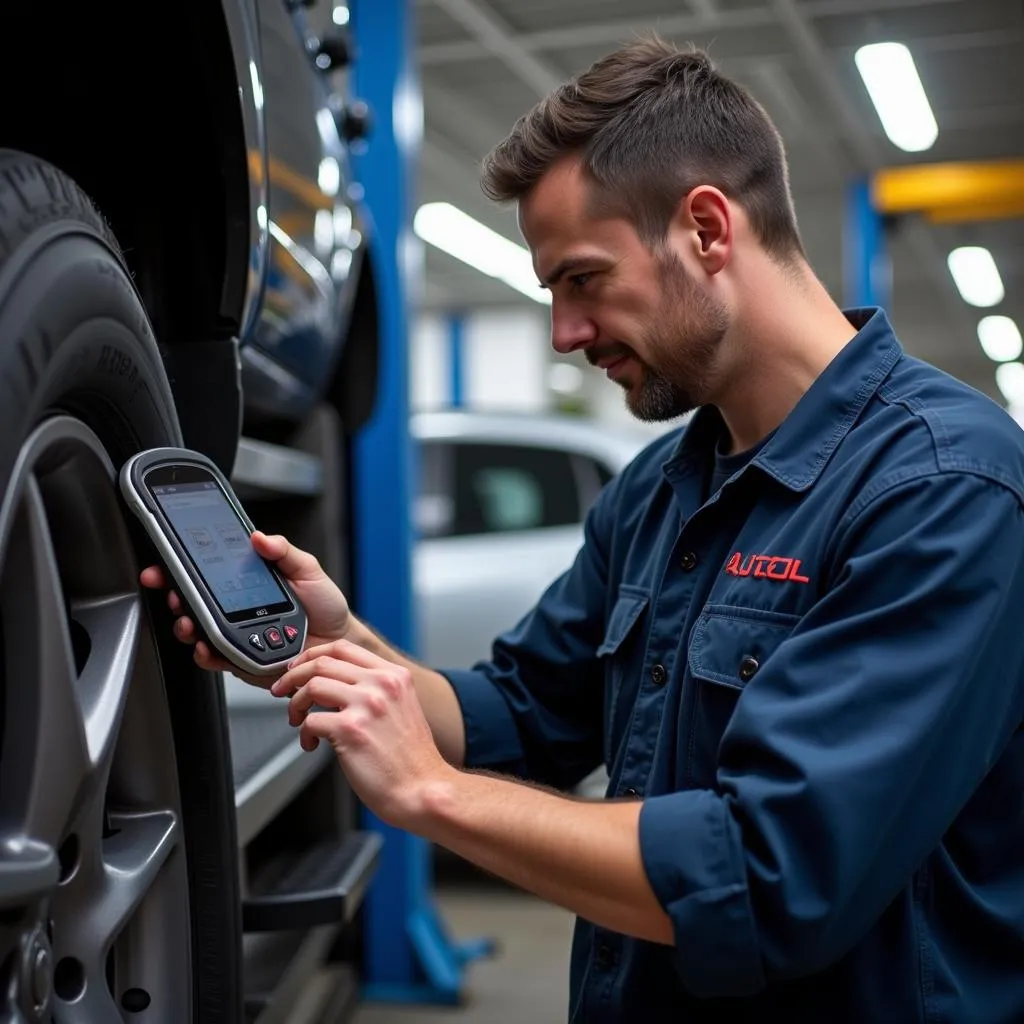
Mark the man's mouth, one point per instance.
(607, 360)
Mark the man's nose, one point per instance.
(569, 330)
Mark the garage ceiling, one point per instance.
(484, 62)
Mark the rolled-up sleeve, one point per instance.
(854, 747)
(534, 710)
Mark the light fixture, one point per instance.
(892, 82)
(1000, 338)
(456, 233)
(1010, 381)
(976, 275)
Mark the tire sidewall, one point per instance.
(74, 337)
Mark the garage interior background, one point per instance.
(484, 62)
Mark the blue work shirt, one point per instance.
(814, 680)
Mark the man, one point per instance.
(793, 632)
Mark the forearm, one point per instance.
(435, 693)
(581, 855)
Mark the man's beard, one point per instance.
(683, 338)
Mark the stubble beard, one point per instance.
(684, 338)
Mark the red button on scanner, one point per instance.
(274, 638)
(291, 632)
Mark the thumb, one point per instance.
(293, 562)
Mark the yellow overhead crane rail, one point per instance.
(952, 193)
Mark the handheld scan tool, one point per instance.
(238, 599)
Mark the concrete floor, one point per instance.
(528, 978)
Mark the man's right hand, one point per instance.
(326, 608)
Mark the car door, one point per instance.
(497, 521)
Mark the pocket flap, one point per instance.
(628, 608)
(729, 645)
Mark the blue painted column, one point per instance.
(408, 956)
(867, 273)
(457, 360)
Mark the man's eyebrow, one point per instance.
(566, 266)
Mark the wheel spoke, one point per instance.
(44, 729)
(28, 870)
(96, 903)
(113, 629)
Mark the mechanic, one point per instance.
(793, 631)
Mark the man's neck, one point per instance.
(789, 332)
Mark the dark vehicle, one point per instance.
(183, 261)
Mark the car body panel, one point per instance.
(314, 231)
(243, 31)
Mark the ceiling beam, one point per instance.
(496, 36)
(615, 32)
(707, 9)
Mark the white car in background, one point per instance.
(499, 514)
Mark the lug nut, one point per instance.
(42, 976)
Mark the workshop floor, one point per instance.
(528, 979)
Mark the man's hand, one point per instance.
(325, 605)
(374, 722)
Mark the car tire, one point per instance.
(118, 857)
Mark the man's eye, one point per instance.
(580, 280)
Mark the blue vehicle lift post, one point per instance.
(409, 956)
(457, 360)
(867, 275)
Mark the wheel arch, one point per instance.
(161, 125)
(153, 125)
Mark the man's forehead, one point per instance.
(559, 196)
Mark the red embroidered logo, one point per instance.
(769, 567)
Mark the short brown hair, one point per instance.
(651, 122)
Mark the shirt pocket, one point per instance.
(729, 646)
(621, 652)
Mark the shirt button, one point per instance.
(688, 561)
(658, 674)
(604, 957)
(631, 792)
(748, 666)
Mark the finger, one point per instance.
(324, 691)
(324, 664)
(344, 650)
(153, 577)
(317, 727)
(206, 659)
(293, 562)
(185, 630)
(174, 602)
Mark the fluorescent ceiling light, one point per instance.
(976, 275)
(459, 235)
(896, 91)
(1010, 381)
(1000, 338)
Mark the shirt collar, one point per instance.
(804, 442)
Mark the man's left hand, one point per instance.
(374, 722)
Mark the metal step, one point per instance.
(280, 970)
(265, 470)
(270, 767)
(315, 885)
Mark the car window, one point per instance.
(503, 488)
(433, 504)
(591, 477)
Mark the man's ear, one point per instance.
(704, 220)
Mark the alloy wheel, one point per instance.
(94, 898)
